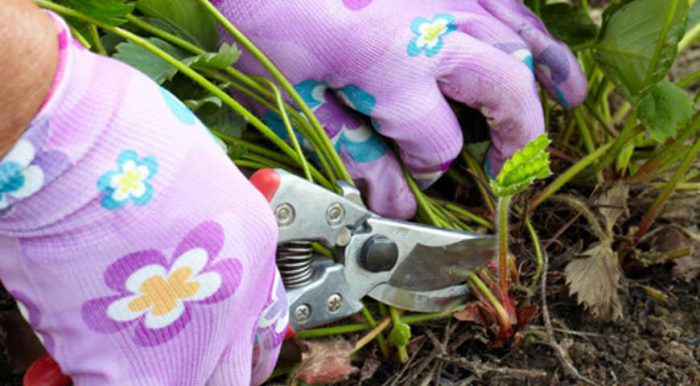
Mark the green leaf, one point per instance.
(663, 109)
(639, 41)
(523, 168)
(569, 23)
(224, 119)
(112, 12)
(148, 63)
(400, 334)
(196, 104)
(187, 18)
(226, 57)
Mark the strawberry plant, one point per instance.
(637, 131)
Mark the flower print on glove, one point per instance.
(28, 167)
(130, 182)
(362, 149)
(412, 56)
(154, 294)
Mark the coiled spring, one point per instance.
(294, 262)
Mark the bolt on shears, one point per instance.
(406, 265)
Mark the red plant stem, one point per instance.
(502, 226)
(658, 204)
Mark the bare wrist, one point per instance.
(27, 66)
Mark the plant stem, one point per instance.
(396, 320)
(459, 211)
(334, 330)
(502, 233)
(629, 131)
(539, 260)
(95, 36)
(662, 157)
(483, 289)
(249, 86)
(279, 77)
(480, 179)
(658, 204)
(290, 130)
(380, 338)
(376, 332)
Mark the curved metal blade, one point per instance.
(428, 301)
(430, 270)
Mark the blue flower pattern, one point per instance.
(429, 34)
(347, 132)
(129, 183)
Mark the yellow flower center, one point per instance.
(161, 295)
(434, 31)
(129, 181)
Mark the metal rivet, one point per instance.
(284, 214)
(344, 237)
(302, 314)
(379, 254)
(334, 303)
(335, 214)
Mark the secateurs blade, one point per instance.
(407, 265)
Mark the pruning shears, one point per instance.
(410, 266)
(406, 265)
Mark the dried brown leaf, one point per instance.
(612, 204)
(325, 362)
(688, 267)
(595, 279)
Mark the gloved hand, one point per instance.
(137, 250)
(394, 63)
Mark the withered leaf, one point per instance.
(325, 362)
(612, 204)
(595, 279)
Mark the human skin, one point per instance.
(27, 66)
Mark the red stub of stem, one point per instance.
(267, 181)
(45, 372)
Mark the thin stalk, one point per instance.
(248, 85)
(375, 333)
(502, 234)
(481, 180)
(539, 259)
(568, 175)
(95, 36)
(261, 150)
(80, 38)
(459, 211)
(666, 153)
(584, 130)
(422, 201)
(690, 37)
(279, 77)
(331, 331)
(290, 130)
(380, 338)
(483, 289)
(628, 132)
(396, 320)
(658, 204)
(690, 78)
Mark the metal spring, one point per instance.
(294, 262)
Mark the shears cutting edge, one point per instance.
(406, 265)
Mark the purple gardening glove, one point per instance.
(137, 251)
(395, 62)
